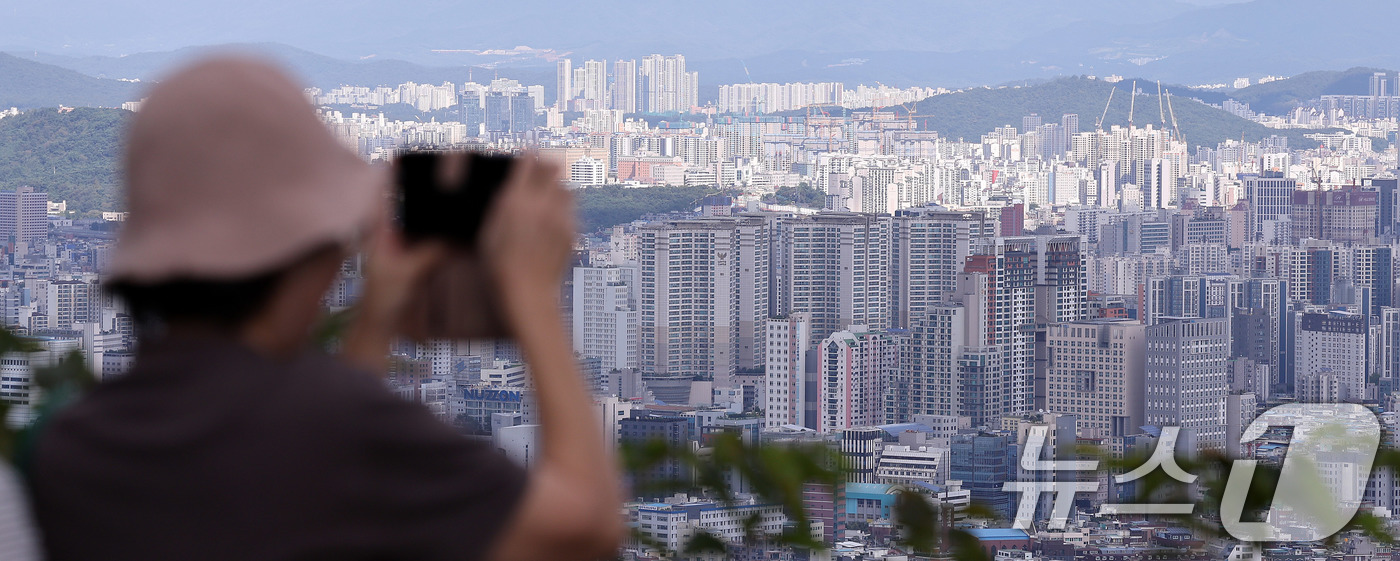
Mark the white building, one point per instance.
(17, 375)
(787, 346)
(906, 465)
(587, 172)
(703, 296)
(605, 317)
(672, 523)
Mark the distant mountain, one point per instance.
(28, 84)
(970, 114)
(1280, 96)
(74, 155)
(951, 43)
(313, 69)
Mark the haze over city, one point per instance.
(834, 281)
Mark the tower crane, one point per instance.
(1161, 113)
(1176, 128)
(1099, 125)
(1132, 103)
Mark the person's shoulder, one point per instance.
(356, 396)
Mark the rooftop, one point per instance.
(998, 534)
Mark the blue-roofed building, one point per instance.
(993, 540)
(868, 501)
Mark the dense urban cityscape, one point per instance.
(935, 307)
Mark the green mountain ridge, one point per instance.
(971, 113)
(73, 155)
(30, 84)
(1280, 96)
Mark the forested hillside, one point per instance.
(74, 155)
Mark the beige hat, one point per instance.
(230, 173)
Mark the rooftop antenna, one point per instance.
(1099, 124)
(1132, 103)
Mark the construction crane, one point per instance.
(1099, 125)
(1177, 129)
(911, 109)
(1161, 113)
(1132, 103)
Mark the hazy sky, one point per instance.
(935, 42)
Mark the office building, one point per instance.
(1331, 358)
(24, 215)
(1344, 215)
(1187, 379)
(644, 426)
(1095, 373)
(1270, 198)
(588, 172)
(985, 461)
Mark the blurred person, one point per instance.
(17, 536)
(231, 437)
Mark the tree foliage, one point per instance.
(970, 114)
(801, 194)
(610, 205)
(73, 155)
(1280, 96)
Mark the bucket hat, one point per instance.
(230, 173)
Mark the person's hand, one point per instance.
(393, 269)
(527, 237)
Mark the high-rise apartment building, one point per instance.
(1012, 268)
(949, 365)
(564, 84)
(72, 301)
(595, 84)
(624, 86)
(703, 296)
(1095, 373)
(837, 268)
(788, 346)
(854, 366)
(929, 247)
(605, 317)
(24, 215)
(666, 87)
(1062, 280)
(1187, 379)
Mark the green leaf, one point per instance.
(705, 542)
